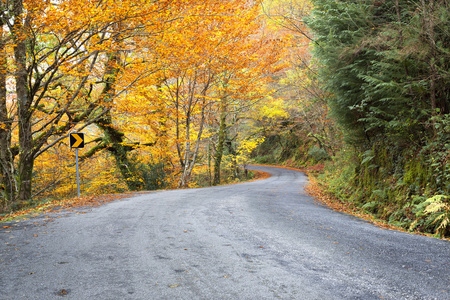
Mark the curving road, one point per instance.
(260, 240)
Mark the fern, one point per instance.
(439, 209)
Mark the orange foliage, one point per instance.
(216, 49)
(161, 68)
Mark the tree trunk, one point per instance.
(113, 137)
(220, 142)
(233, 152)
(184, 179)
(115, 140)
(24, 101)
(196, 149)
(6, 158)
(209, 163)
(26, 159)
(190, 156)
(428, 15)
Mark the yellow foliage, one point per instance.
(161, 69)
(246, 147)
(273, 109)
(439, 207)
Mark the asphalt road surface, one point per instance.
(265, 239)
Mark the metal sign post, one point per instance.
(77, 141)
(78, 173)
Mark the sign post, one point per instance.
(78, 173)
(77, 141)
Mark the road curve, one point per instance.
(265, 239)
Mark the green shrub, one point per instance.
(153, 175)
(318, 154)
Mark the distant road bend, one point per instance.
(265, 239)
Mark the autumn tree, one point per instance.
(134, 73)
(67, 61)
(296, 121)
(216, 55)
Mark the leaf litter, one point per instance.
(62, 206)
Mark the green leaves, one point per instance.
(376, 61)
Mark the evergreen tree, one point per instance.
(386, 62)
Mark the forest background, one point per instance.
(179, 93)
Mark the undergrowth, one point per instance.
(399, 186)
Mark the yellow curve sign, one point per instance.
(77, 140)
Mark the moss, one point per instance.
(390, 188)
(415, 173)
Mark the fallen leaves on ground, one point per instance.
(315, 190)
(68, 204)
(85, 201)
(260, 175)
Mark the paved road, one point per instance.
(260, 240)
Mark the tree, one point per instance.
(66, 66)
(209, 59)
(387, 65)
(93, 65)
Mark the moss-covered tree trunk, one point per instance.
(116, 146)
(220, 142)
(6, 157)
(24, 101)
(113, 138)
(233, 152)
